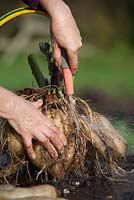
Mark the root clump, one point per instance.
(89, 134)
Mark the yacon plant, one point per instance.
(89, 134)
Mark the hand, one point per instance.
(64, 32)
(30, 123)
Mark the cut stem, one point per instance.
(40, 79)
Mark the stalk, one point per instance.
(40, 79)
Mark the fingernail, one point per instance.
(65, 142)
(40, 100)
(33, 156)
(54, 155)
(62, 150)
(74, 72)
(57, 64)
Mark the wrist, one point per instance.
(4, 103)
(55, 8)
(7, 103)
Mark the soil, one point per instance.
(121, 188)
(77, 187)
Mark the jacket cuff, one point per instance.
(32, 3)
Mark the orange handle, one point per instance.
(67, 74)
(68, 81)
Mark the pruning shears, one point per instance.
(67, 74)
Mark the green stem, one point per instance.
(41, 81)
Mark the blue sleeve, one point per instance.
(32, 3)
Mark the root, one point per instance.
(97, 134)
(83, 128)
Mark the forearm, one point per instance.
(7, 103)
(55, 7)
(63, 30)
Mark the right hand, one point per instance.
(30, 123)
(64, 32)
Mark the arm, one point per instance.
(63, 29)
(64, 32)
(30, 123)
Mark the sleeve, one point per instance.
(32, 3)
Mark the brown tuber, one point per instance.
(84, 129)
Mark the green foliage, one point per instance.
(110, 72)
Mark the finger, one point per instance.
(73, 61)
(38, 103)
(56, 54)
(61, 135)
(47, 144)
(29, 147)
(56, 140)
(54, 131)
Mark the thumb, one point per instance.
(37, 104)
(56, 54)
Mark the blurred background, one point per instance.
(106, 61)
